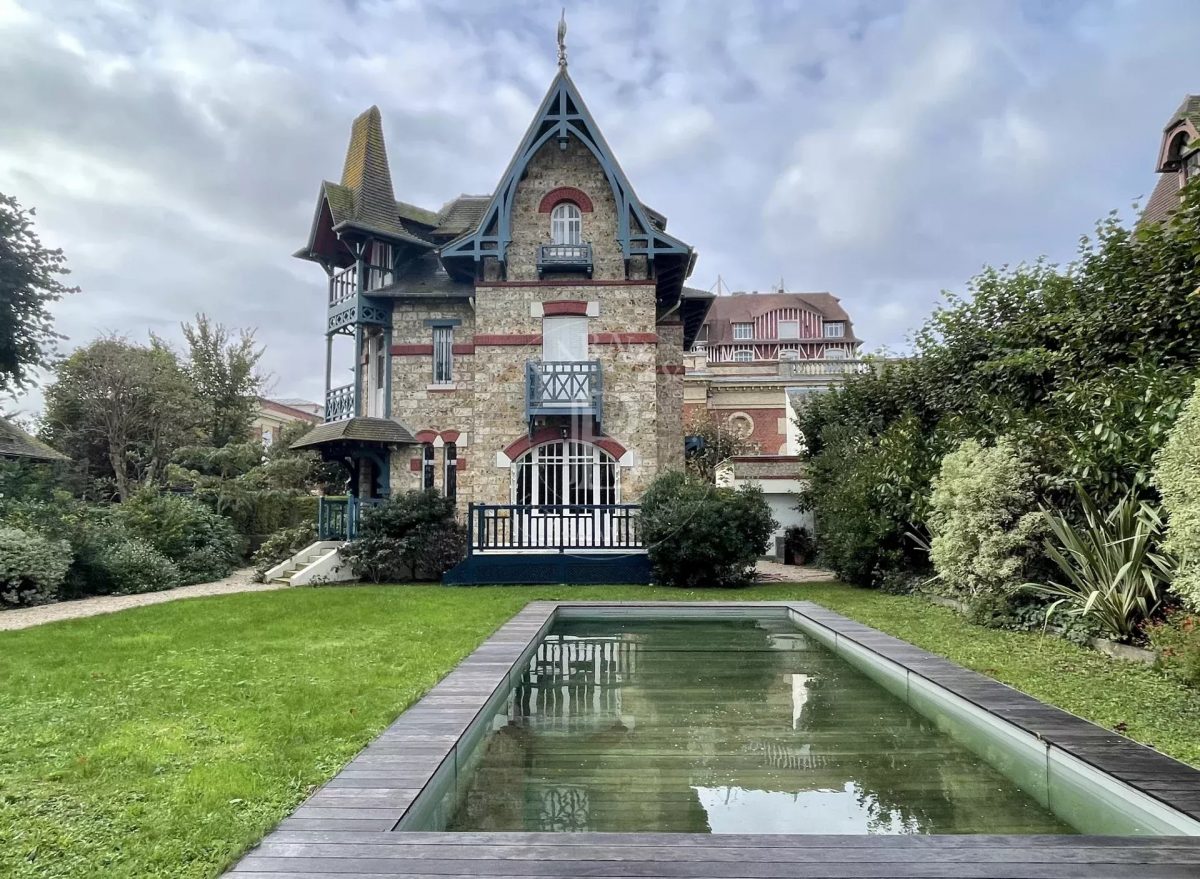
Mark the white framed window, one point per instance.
(789, 329)
(836, 354)
(565, 472)
(743, 355)
(835, 330)
(1191, 165)
(564, 339)
(743, 331)
(443, 355)
(566, 224)
(377, 359)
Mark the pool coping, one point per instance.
(346, 827)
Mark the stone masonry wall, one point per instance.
(669, 381)
(551, 168)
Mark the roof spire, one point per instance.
(562, 40)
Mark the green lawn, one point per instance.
(163, 741)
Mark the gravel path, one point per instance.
(774, 572)
(26, 617)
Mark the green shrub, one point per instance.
(134, 565)
(32, 567)
(1177, 476)
(982, 521)
(1176, 641)
(1112, 570)
(203, 544)
(282, 545)
(411, 537)
(700, 535)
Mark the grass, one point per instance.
(164, 741)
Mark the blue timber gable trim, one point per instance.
(562, 115)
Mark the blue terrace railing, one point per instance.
(562, 387)
(565, 258)
(338, 518)
(339, 403)
(553, 528)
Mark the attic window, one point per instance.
(1191, 165)
(743, 331)
(835, 330)
(566, 224)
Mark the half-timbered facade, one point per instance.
(520, 351)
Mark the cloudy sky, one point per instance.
(883, 151)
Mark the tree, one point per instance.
(223, 367)
(718, 440)
(120, 410)
(29, 282)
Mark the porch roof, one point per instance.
(362, 429)
(16, 443)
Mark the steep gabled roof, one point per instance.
(563, 114)
(16, 443)
(363, 201)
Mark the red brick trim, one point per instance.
(565, 193)
(768, 459)
(623, 338)
(450, 436)
(508, 339)
(670, 323)
(450, 390)
(462, 348)
(414, 464)
(671, 369)
(520, 446)
(579, 282)
(564, 306)
(460, 463)
(426, 436)
(412, 350)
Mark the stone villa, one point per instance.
(521, 351)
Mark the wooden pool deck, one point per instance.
(346, 828)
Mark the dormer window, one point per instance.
(1191, 165)
(743, 331)
(566, 224)
(835, 330)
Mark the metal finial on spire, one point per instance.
(562, 39)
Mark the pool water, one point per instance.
(719, 726)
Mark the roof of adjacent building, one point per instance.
(285, 408)
(16, 443)
(1184, 122)
(371, 430)
(746, 307)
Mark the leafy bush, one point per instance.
(1176, 640)
(135, 566)
(700, 535)
(411, 537)
(282, 545)
(1113, 571)
(202, 543)
(1177, 476)
(32, 567)
(982, 519)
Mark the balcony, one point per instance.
(560, 258)
(348, 306)
(563, 388)
(339, 403)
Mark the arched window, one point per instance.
(565, 472)
(566, 224)
(428, 466)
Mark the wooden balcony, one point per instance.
(560, 387)
(556, 258)
(339, 403)
(350, 300)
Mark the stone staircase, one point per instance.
(320, 562)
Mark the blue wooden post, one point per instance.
(471, 528)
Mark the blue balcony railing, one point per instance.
(339, 403)
(560, 387)
(338, 518)
(565, 258)
(557, 528)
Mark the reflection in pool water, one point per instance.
(720, 727)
